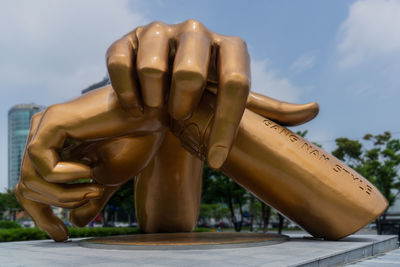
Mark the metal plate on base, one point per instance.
(182, 241)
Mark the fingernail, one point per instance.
(217, 156)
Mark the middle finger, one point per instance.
(152, 63)
(190, 70)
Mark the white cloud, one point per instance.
(50, 50)
(302, 63)
(370, 32)
(268, 82)
(59, 46)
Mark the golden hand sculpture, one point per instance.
(156, 103)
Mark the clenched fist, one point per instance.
(159, 74)
(160, 63)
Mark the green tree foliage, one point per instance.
(261, 214)
(121, 205)
(9, 225)
(378, 160)
(216, 211)
(3, 206)
(8, 202)
(304, 133)
(219, 188)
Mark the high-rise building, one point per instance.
(19, 118)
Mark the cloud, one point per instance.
(302, 63)
(268, 82)
(51, 50)
(370, 32)
(59, 46)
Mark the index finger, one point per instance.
(121, 61)
(233, 90)
(43, 217)
(93, 116)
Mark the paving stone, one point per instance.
(391, 259)
(299, 251)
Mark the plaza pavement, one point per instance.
(301, 250)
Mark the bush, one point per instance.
(9, 225)
(7, 235)
(23, 234)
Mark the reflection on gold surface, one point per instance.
(184, 239)
(179, 96)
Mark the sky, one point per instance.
(345, 55)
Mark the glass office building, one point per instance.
(19, 118)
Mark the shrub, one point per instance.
(9, 225)
(7, 235)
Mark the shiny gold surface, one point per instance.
(168, 190)
(184, 239)
(142, 127)
(305, 183)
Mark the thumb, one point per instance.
(282, 112)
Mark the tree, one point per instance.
(252, 212)
(123, 200)
(219, 188)
(265, 215)
(3, 206)
(379, 162)
(8, 202)
(304, 133)
(216, 211)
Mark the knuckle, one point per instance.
(37, 116)
(21, 190)
(189, 78)
(152, 64)
(238, 41)
(34, 122)
(33, 149)
(137, 31)
(118, 62)
(237, 80)
(193, 24)
(23, 186)
(154, 29)
(114, 48)
(151, 70)
(51, 115)
(18, 188)
(53, 109)
(119, 55)
(156, 25)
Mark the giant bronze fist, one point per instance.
(179, 96)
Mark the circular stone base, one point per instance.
(179, 241)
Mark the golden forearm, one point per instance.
(303, 182)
